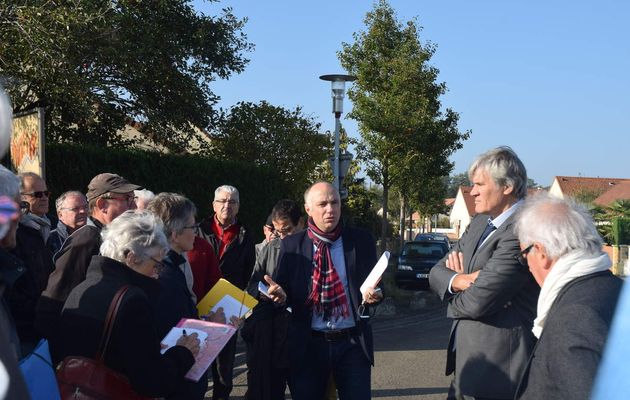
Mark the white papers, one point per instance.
(231, 307)
(175, 333)
(375, 276)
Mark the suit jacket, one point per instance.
(491, 331)
(565, 359)
(294, 274)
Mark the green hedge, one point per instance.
(71, 167)
(621, 230)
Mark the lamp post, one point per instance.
(338, 91)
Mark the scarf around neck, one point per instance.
(568, 267)
(42, 224)
(327, 296)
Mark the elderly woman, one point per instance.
(175, 302)
(133, 247)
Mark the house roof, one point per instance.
(468, 199)
(571, 185)
(620, 191)
(449, 202)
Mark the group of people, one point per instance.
(58, 285)
(529, 290)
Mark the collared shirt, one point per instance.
(318, 323)
(497, 222)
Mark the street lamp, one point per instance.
(338, 91)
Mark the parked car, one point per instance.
(434, 236)
(416, 260)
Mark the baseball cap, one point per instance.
(103, 183)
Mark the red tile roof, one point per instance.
(572, 185)
(620, 191)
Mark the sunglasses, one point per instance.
(37, 195)
(522, 256)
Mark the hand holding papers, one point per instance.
(372, 294)
(213, 337)
(234, 301)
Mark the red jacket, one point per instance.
(205, 267)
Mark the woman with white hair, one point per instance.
(132, 251)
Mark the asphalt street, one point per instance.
(409, 353)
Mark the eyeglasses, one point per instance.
(37, 195)
(76, 209)
(129, 199)
(223, 201)
(522, 256)
(193, 227)
(159, 264)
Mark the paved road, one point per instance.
(409, 351)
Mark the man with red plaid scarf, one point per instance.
(319, 274)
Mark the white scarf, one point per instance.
(568, 267)
(42, 224)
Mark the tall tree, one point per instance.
(286, 140)
(96, 64)
(396, 102)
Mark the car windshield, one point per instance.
(424, 250)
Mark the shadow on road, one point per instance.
(408, 392)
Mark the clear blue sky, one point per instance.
(551, 79)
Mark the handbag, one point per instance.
(84, 378)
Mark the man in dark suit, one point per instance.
(491, 297)
(563, 250)
(319, 273)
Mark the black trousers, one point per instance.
(223, 371)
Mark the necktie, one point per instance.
(489, 228)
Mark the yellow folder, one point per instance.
(224, 288)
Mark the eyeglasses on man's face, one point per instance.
(38, 194)
(193, 227)
(228, 201)
(75, 209)
(522, 256)
(130, 199)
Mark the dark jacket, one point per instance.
(23, 296)
(57, 237)
(9, 342)
(71, 263)
(567, 355)
(238, 257)
(134, 347)
(294, 275)
(265, 333)
(491, 337)
(173, 304)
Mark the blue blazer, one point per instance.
(294, 274)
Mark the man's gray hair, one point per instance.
(9, 183)
(174, 210)
(505, 169)
(62, 198)
(25, 175)
(144, 194)
(137, 231)
(227, 189)
(560, 225)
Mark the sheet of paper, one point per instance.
(375, 276)
(175, 333)
(231, 307)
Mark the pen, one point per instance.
(184, 332)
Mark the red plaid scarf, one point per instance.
(327, 296)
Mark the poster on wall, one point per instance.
(27, 142)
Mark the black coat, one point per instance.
(294, 272)
(24, 294)
(567, 355)
(134, 348)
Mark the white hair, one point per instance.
(136, 231)
(227, 189)
(559, 225)
(504, 167)
(144, 194)
(70, 193)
